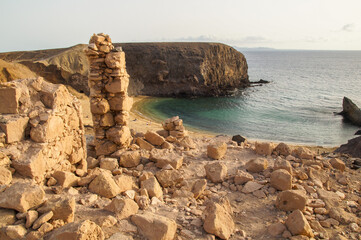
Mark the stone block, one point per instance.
(242, 177)
(257, 165)
(49, 130)
(154, 138)
(153, 188)
(217, 150)
(117, 85)
(264, 148)
(14, 127)
(216, 172)
(66, 179)
(63, 208)
(123, 208)
(104, 185)
(130, 159)
(121, 103)
(120, 135)
(169, 178)
(78, 230)
(297, 224)
(5, 176)
(125, 182)
(290, 200)
(281, 180)
(9, 100)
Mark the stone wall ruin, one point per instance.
(109, 101)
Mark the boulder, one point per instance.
(7, 217)
(63, 208)
(297, 224)
(169, 178)
(216, 172)
(198, 187)
(22, 196)
(351, 111)
(78, 231)
(123, 208)
(257, 165)
(65, 179)
(290, 200)
(42, 219)
(242, 177)
(281, 163)
(124, 182)
(104, 185)
(338, 164)
(264, 148)
(144, 144)
(14, 127)
(5, 176)
(217, 150)
(109, 163)
(283, 149)
(155, 227)
(303, 153)
(154, 138)
(281, 180)
(238, 139)
(47, 131)
(251, 186)
(130, 159)
(152, 186)
(352, 147)
(218, 219)
(164, 157)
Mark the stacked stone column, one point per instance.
(109, 101)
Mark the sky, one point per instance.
(281, 24)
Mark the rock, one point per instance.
(9, 99)
(155, 227)
(49, 130)
(198, 187)
(107, 120)
(104, 185)
(303, 153)
(105, 148)
(283, 149)
(352, 147)
(63, 208)
(78, 230)
(282, 164)
(242, 177)
(31, 217)
(217, 150)
(124, 182)
(338, 164)
(351, 111)
(144, 144)
(14, 127)
(121, 103)
(66, 179)
(154, 138)
(123, 208)
(152, 186)
(238, 139)
(264, 148)
(297, 224)
(22, 196)
(218, 219)
(109, 163)
(120, 236)
(130, 159)
(316, 226)
(120, 135)
(15, 232)
(42, 219)
(5, 176)
(276, 229)
(7, 217)
(256, 165)
(281, 180)
(99, 106)
(164, 157)
(216, 172)
(290, 200)
(342, 216)
(169, 178)
(251, 186)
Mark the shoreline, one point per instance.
(146, 122)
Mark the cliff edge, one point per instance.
(155, 69)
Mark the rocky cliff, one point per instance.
(155, 69)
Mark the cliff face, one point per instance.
(155, 69)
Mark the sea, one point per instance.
(306, 88)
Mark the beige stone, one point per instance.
(276, 229)
(198, 187)
(5, 176)
(281, 180)
(123, 208)
(63, 208)
(217, 150)
(121, 103)
(78, 231)
(242, 177)
(42, 219)
(154, 138)
(49, 130)
(99, 106)
(342, 216)
(251, 186)
(31, 164)
(115, 60)
(9, 99)
(15, 231)
(124, 182)
(264, 148)
(122, 118)
(316, 226)
(297, 224)
(109, 163)
(281, 163)
(283, 149)
(144, 144)
(120, 135)
(107, 120)
(120, 236)
(117, 85)
(155, 227)
(290, 200)
(104, 185)
(163, 157)
(31, 217)
(130, 159)
(105, 148)
(218, 219)
(7, 217)
(216, 172)
(257, 165)
(22, 196)
(65, 179)
(169, 178)
(338, 164)
(152, 186)
(303, 153)
(14, 128)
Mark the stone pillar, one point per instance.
(109, 101)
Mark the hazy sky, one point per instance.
(284, 24)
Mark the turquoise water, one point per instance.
(306, 88)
